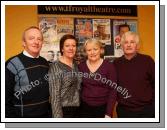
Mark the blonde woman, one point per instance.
(98, 98)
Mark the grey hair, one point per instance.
(130, 33)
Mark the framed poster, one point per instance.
(102, 30)
(105, 30)
(53, 29)
(117, 33)
(83, 30)
(64, 26)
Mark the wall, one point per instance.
(146, 24)
(19, 17)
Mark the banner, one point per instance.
(107, 10)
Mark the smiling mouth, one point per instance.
(92, 56)
(35, 46)
(129, 49)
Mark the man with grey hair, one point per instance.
(136, 72)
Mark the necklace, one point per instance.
(93, 68)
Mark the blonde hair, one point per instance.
(129, 33)
(96, 42)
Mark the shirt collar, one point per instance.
(132, 57)
(28, 55)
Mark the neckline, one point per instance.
(30, 58)
(67, 65)
(133, 58)
(96, 69)
(29, 55)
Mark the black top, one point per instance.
(138, 77)
(26, 86)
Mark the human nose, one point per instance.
(36, 41)
(128, 44)
(92, 51)
(71, 47)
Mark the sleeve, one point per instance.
(151, 73)
(80, 72)
(55, 92)
(10, 110)
(79, 77)
(112, 92)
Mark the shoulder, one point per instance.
(118, 60)
(13, 64)
(55, 63)
(145, 58)
(9, 60)
(82, 63)
(108, 64)
(43, 60)
(13, 60)
(75, 64)
(109, 68)
(55, 66)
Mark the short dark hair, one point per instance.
(64, 38)
(124, 25)
(31, 27)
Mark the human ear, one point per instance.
(138, 47)
(23, 44)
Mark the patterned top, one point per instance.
(26, 87)
(64, 85)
